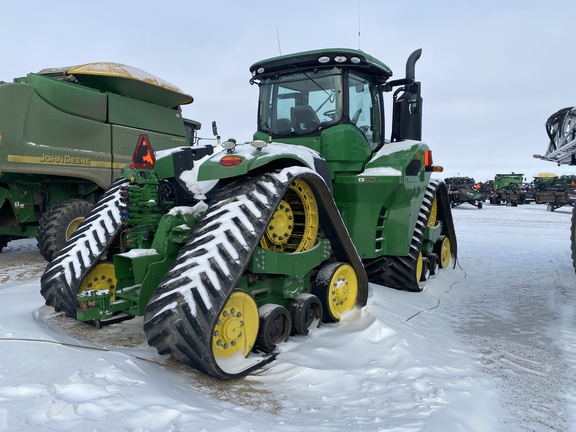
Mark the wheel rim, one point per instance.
(433, 213)
(294, 224)
(445, 253)
(343, 291)
(419, 265)
(73, 226)
(236, 328)
(101, 277)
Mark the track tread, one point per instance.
(183, 310)
(63, 275)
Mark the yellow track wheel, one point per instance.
(101, 277)
(432, 218)
(442, 249)
(419, 265)
(294, 224)
(237, 327)
(337, 288)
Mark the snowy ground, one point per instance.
(489, 346)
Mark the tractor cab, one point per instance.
(332, 101)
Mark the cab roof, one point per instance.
(341, 57)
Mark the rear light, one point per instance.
(427, 158)
(428, 164)
(143, 154)
(231, 160)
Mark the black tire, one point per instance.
(479, 205)
(57, 225)
(434, 263)
(275, 327)
(306, 312)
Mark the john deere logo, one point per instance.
(65, 160)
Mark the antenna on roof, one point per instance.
(278, 37)
(358, 24)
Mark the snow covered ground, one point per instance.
(489, 346)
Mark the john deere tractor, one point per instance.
(228, 250)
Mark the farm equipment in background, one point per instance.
(561, 131)
(464, 190)
(507, 189)
(228, 251)
(555, 191)
(66, 133)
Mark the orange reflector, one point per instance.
(231, 160)
(437, 168)
(427, 158)
(143, 154)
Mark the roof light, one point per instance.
(324, 59)
(231, 160)
(229, 145)
(260, 70)
(355, 60)
(340, 59)
(143, 154)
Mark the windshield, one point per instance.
(300, 103)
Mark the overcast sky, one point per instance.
(492, 71)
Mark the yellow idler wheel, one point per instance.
(237, 327)
(294, 224)
(101, 277)
(442, 249)
(433, 217)
(419, 265)
(73, 226)
(336, 286)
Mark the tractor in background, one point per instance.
(508, 189)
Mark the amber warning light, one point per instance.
(428, 164)
(143, 154)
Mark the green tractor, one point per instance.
(65, 135)
(508, 189)
(227, 251)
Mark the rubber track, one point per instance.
(182, 312)
(399, 271)
(63, 275)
